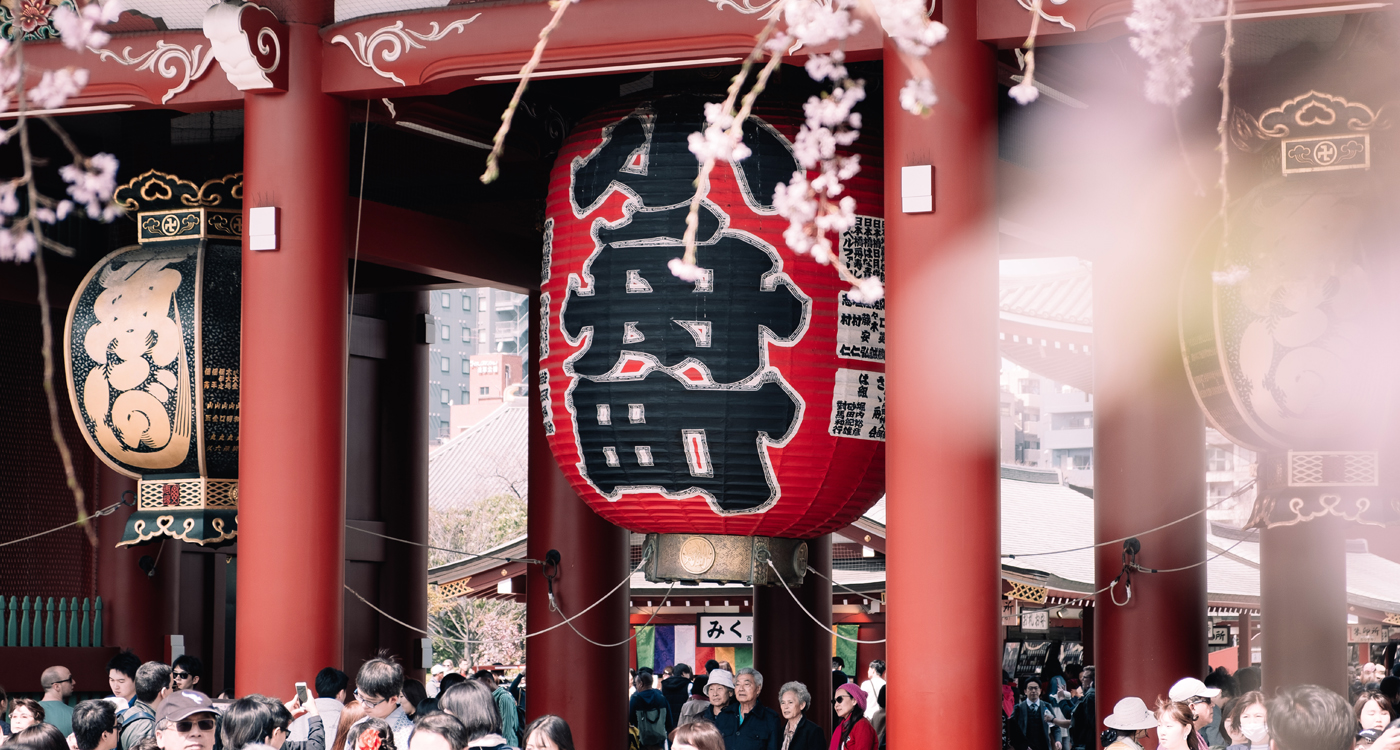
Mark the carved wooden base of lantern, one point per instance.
(1298, 486)
(718, 558)
(197, 510)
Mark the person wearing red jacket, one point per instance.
(854, 732)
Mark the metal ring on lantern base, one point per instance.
(718, 558)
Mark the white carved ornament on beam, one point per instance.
(169, 61)
(398, 40)
(250, 44)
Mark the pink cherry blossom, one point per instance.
(685, 271)
(917, 96)
(1164, 30)
(92, 186)
(78, 30)
(57, 86)
(867, 291)
(1024, 92)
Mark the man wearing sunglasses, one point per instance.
(185, 721)
(1194, 693)
(57, 683)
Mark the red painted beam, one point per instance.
(412, 241)
(131, 72)
(501, 38)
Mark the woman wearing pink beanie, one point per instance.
(854, 732)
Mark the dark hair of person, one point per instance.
(450, 679)
(879, 666)
(425, 707)
(281, 717)
(448, 727)
(643, 680)
(1249, 680)
(486, 676)
(151, 678)
(1390, 687)
(880, 697)
(555, 729)
(711, 665)
(698, 686)
(471, 702)
(1309, 717)
(126, 662)
(35, 710)
(1182, 713)
(190, 663)
(683, 670)
(847, 724)
(354, 711)
(1237, 706)
(39, 737)
(378, 726)
(330, 681)
(414, 693)
(380, 678)
(247, 721)
(838, 662)
(146, 743)
(91, 719)
(1219, 678)
(702, 735)
(1373, 695)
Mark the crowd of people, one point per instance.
(157, 706)
(719, 710)
(1222, 712)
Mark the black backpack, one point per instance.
(652, 725)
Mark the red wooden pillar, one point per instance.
(595, 557)
(1303, 603)
(788, 646)
(943, 543)
(1149, 469)
(291, 541)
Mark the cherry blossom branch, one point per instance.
(1224, 126)
(92, 182)
(1025, 92)
(723, 138)
(498, 144)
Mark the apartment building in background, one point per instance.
(490, 325)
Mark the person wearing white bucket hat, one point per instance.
(1130, 722)
(720, 688)
(1201, 699)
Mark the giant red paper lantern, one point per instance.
(748, 403)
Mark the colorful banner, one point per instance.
(846, 649)
(661, 646)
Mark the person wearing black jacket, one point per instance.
(676, 688)
(1083, 726)
(746, 724)
(645, 702)
(799, 732)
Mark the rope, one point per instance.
(1120, 540)
(567, 621)
(470, 555)
(104, 512)
(622, 642)
(819, 623)
(1217, 555)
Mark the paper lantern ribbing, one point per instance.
(747, 403)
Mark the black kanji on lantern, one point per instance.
(701, 420)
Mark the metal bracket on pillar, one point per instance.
(250, 45)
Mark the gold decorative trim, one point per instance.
(164, 526)
(454, 589)
(196, 493)
(1391, 619)
(153, 190)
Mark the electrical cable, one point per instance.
(844, 586)
(809, 614)
(470, 555)
(359, 214)
(97, 514)
(555, 607)
(503, 640)
(1211, 506)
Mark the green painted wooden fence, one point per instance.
(41, 622)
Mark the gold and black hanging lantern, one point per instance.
(152, 353)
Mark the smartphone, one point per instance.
(302, 695)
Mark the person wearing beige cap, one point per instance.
(1200, 698)
(185, 721)
(1130, 721)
